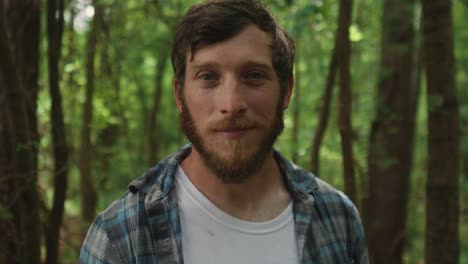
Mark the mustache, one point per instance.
(233, 123)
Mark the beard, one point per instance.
(244, 158)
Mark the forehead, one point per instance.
(250, 45)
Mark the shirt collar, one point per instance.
(301, 183)
(159, 180)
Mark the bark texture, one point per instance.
(391, 135)
(88, 190)
(60, 149)
(442, 190)
(19, 201)
(324, 114)
(345, 99)
(152, 122)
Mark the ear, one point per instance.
(288, 93)
(177, 94)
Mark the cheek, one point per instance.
(193, 100)
(199, 97)
(265, 105)
(199, 111)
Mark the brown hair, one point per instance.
(218, 20)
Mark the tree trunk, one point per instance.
(88, 191)
(295, 113)
(108, 136)
(19, 49)
(111, 57)
(125, 124)
(152, 123)
(391, 135)
(70, 78)
(442, 205)
(7, 225)
(345, 100)
(60, 149)
(324, 113)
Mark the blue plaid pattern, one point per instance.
(143, 226)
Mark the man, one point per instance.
(229, 197)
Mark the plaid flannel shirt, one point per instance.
(143, 226)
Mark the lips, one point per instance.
(233, 132)
(232, 129)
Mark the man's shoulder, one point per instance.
(121, 211)
(119, 232)
(327, 194)
(159, 179)
(155, 183)
(331, 225)
(324, 194)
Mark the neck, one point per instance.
(260, 197)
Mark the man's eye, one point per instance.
(207, 77)
(255, 75)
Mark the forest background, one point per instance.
(380, 111)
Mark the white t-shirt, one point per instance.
(211, 236)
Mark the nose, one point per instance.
(232, 97)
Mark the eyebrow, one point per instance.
(203, 65)
(260, 64)
(249, 63)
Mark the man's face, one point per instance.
(230, 108)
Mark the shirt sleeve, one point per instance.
(97, 247)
